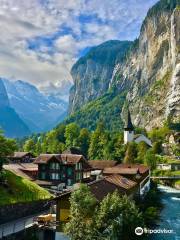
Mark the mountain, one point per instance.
(10, 122)
(92, 73)
(147, 74)
(40, 112)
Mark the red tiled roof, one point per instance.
(121, 181)
(118, 170)
(141, 168)
(101, 164)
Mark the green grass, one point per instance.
(20, 190)
(167, 160)
(158, 172)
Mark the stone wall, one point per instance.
(20, 210)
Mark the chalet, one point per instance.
(135, 172)
(100, 189)
(21, 157)
(62, 170)
(130, 136)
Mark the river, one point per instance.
(170, 215)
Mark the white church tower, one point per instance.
(128, 130)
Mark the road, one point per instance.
(17, 225)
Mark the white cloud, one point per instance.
(48, 64)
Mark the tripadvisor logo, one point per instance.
(139, 231)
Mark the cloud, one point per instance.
(41, 39)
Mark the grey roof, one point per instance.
(128, 124)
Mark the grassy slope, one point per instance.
(20, 190)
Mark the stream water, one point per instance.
(170, 215)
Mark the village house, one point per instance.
(130, 136)
(135, 172)
(21, 157)
(62, 170)
(98, 166)
(100, 189)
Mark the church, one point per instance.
(129, 134)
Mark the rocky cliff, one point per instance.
(149, 71)
(93, 73)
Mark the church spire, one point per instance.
(128, 125)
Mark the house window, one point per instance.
(55, 176)
(78, 176)
(69, 171)
(54, 166)
(43, 175)
(43, 167)
(78, 166)
(69, 182)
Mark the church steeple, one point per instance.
(128, 129)
(128, 125)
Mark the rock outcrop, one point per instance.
(152, 71)
(149, 71)
(93, 73)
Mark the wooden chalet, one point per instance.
(62, 169)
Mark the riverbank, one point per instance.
(169, 183)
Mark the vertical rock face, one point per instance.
(151, 73)
(92, 73)
(4, 101)
(173, 96)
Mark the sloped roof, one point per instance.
(18, 170)
(121, 181)
(118, 170)
(101, 164)
(20, 154)
(62, 158)
(141, 168)
(137, 135)
(107, 185)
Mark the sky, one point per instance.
(40, 40)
